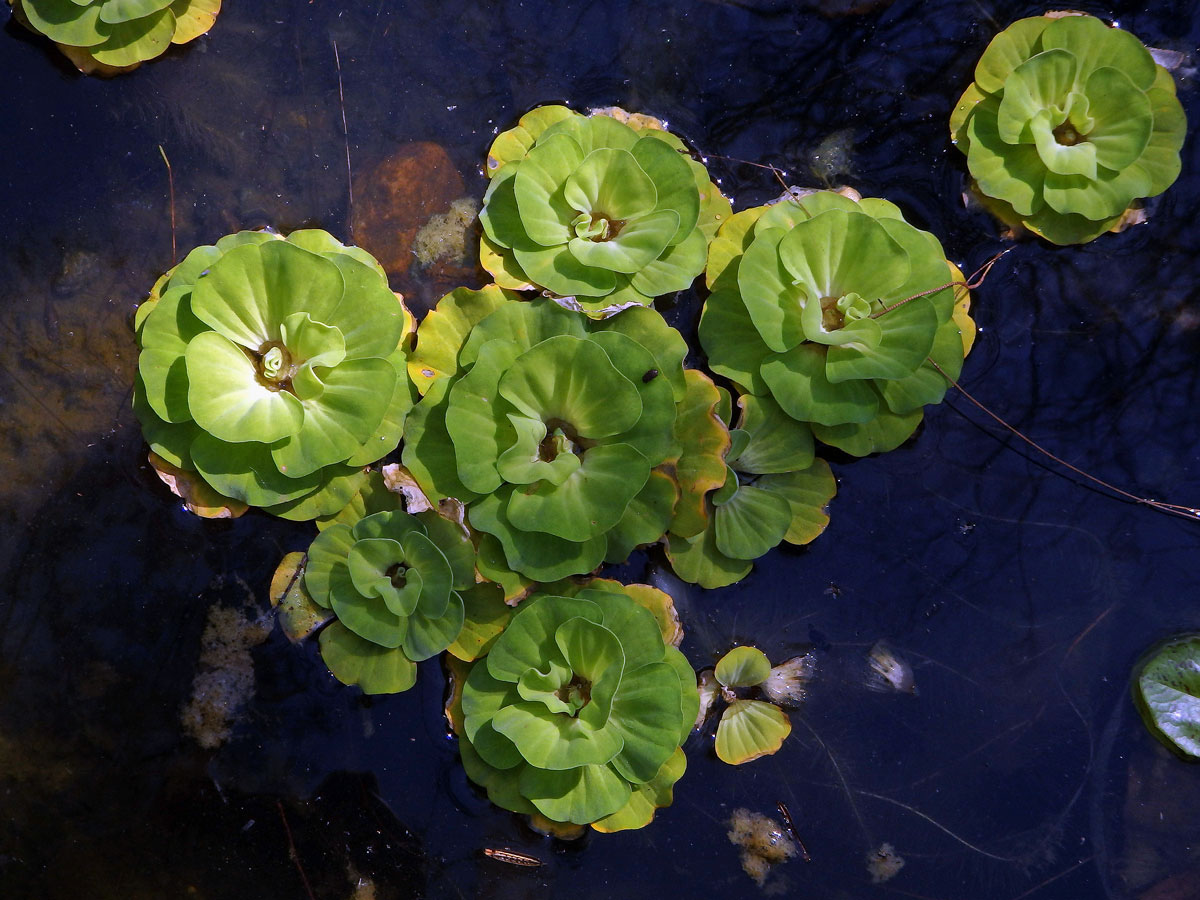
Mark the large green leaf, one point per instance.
(67, 22)
(807, 493)
(1013, 173)
(636, 244)
(698, 561)
(555, 740)
(539, 187)
(675, 269)
(1007, 50)
(370, 317)
(1167, 690)
(778, 443)
(529, 639)
(227, 399)
(563, 274)
(589, 502)
(674, 183)
(610, 184)
(246, 472)
(646, 713)
(799, 384)
(566, 379)
(536, 555)
(1123, 115)
(477, 422)
(580, 795)
(1094, 44)
(840, 252)
(743, 667)
(368, 617)
(250, 290)
(444, 330)
(771, 294)
(429, 635)
(653, 433)
(428, 451)
(1040, 84)
(751, 523)
(357, 394)
(352, 660)
(885, 431)
(646, 798)
(164, 337)
(735, 348)
(749, 729)
(116, 11)
(646, 518)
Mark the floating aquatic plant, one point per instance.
(1067, 123)
(274, 369)
(386, 589)
(1166, 689)
(771, 488)
(750, 728)
(597, 212)
(556, 431)
(831, 304)
(110, 36)
(579, 711)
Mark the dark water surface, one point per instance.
(1021, 598)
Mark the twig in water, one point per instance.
(171, 188)
(346, 138)
(791, 827)
(970, 284)
(1174, 509)
(778, 172)
(292, 851)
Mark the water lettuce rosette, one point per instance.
(274, 369)
(772, 488)
(579, 711)
(384, 589)
(556, 431)
(1068, 122)
(830, 305)
(109, 36)
(590, 208)
(749, 728)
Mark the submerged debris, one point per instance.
(788, 681)
(884, 863)
(225, 679)
(446, 236)
(889, 672)
(763, 840)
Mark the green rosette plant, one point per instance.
(110, 36)
(385, 589)
(599, 213)
(274, 370)
(1067, 123)
(557, 432)
(773, 488)
(749, 727)
(579, 711)
(832, 305)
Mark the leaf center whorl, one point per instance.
(576, 693)
(274, 366)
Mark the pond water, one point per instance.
(1020, 597)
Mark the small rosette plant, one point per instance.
(110, 36)
(590, 208)
(1067, 123)
(555, 430)
(384, 589)
(579, 711)
(831, 305)
(773, 489)
(274, 370)
(749, 727)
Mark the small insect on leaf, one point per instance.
(649, 376)
(513, 859)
